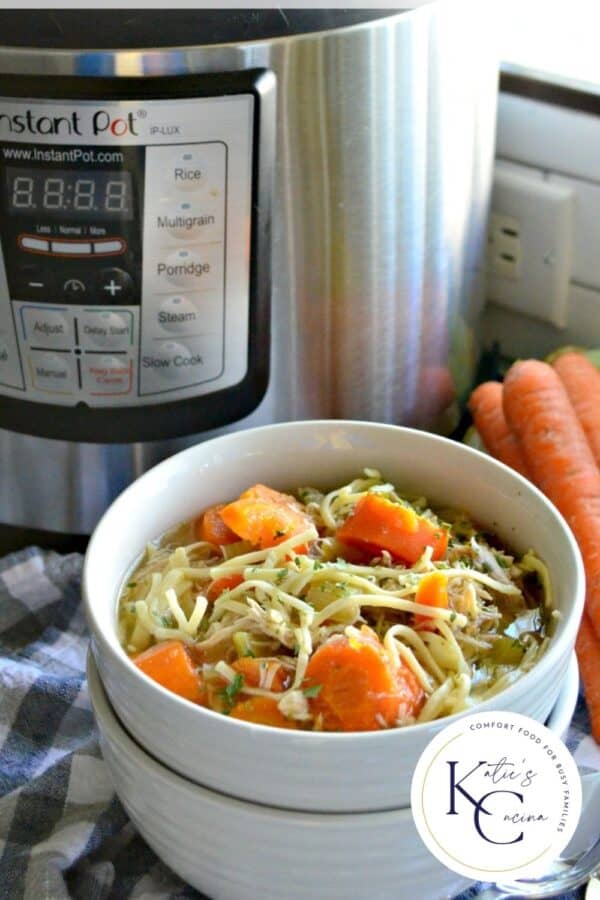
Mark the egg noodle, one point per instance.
(494, 628)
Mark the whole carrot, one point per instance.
(582, 383)
(588, 656)
(485, 404)
(560, 460)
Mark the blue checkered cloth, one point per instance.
(63, 832)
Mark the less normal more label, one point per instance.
(496, 795)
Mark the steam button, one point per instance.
(177, 315)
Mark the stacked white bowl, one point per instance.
(241, 810)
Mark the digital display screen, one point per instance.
(94, 194)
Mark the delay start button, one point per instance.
(106, 329)
(175, 362)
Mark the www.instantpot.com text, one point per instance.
(72, 155)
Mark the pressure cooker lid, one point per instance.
(130, 28)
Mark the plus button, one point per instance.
(117, 283)
(113, 287)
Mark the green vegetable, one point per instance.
(232, 690)
(313, 691)
(507, 651)
(242, 644)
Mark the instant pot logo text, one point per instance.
(101, 122)
(495, 793)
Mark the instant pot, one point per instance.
(212, 219)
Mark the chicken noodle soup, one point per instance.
(355, 610)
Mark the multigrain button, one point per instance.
(177, 315)
(105, 329)
(191, 220)
(46, 327)
(52, 372)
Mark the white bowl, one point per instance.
(304, 770)
(217, 844)
(233, 850)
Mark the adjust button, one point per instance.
(106, 329)
(52, 372)
(46, 327)
(114, 286)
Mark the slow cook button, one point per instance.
(52, 373)
(107, 374)
(46, 327)
(177, 315)
(106, 329)
(175, 362)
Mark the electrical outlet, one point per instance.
(529, 244)
(504, 246)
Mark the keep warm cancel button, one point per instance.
(106, 374)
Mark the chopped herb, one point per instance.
(132, 584)
(502, 561)
(297, 560)
(317, 565)
(166, 620)
(486, 567)
(452, 616)
(233, 688)
(313, 691)
(281, 575)
(279, 533)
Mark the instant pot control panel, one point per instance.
(134, 259)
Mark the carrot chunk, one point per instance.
(265, 517)
(170, 665)
(356, 687)
(263, 673)
(261, 711)
(432, 591)
(211, 527)
(377, 524)
(227, 583)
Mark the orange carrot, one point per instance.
(485, 404)
(211, 527)
(377, 524)
(432, 591)
(227, 583)
(588, 656)
(560, 460)
(169, 664)
(582, 383)
(261, 711)
(264, 673)
(265, 517)
(357, 688)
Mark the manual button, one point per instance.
(52, 372)
(47, 327)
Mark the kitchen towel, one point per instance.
(63, 832)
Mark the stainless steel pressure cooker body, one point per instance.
(260, 216)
